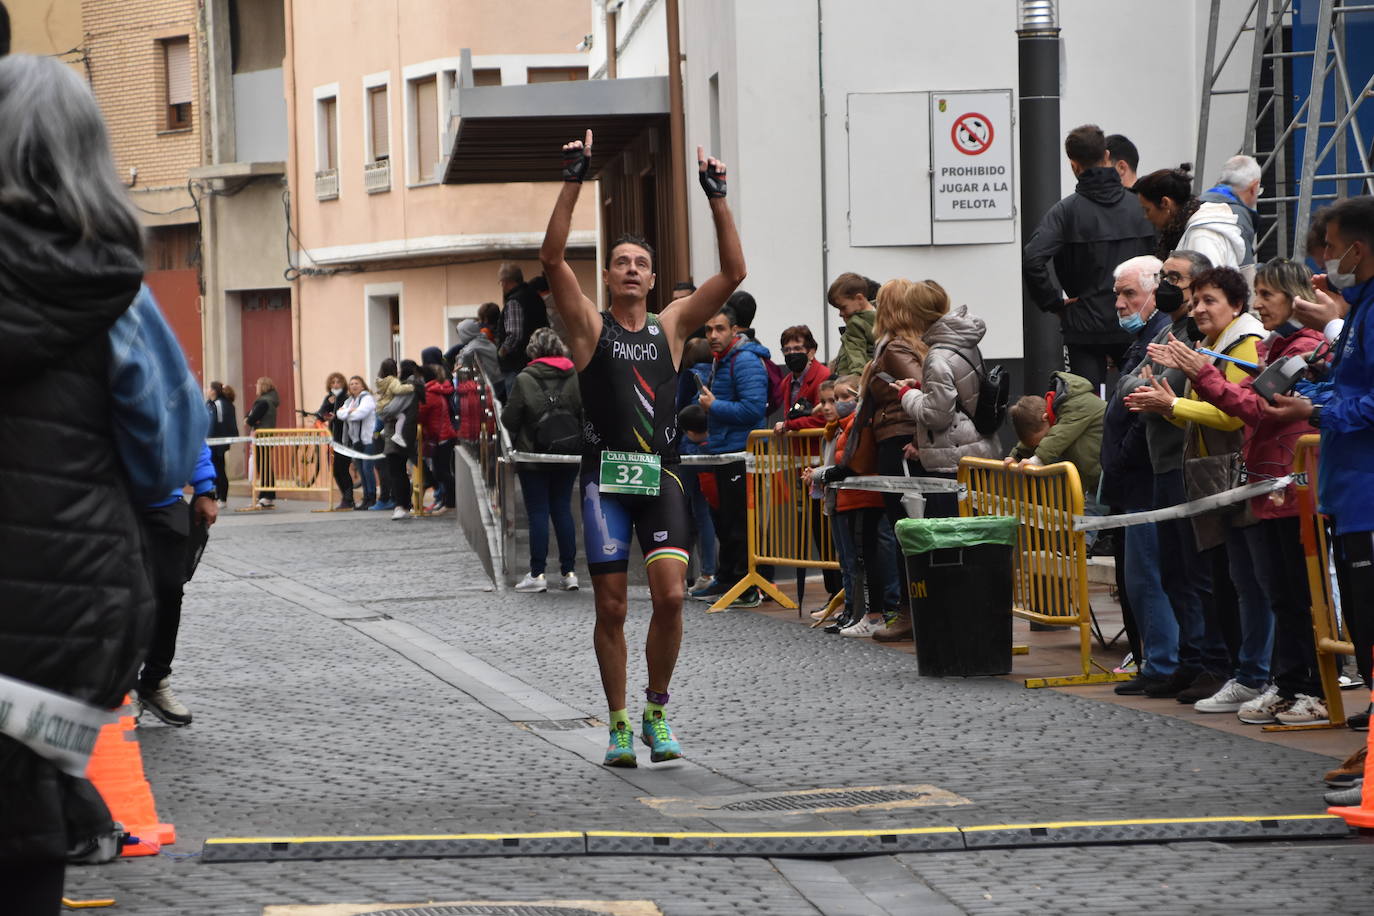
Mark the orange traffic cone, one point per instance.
(1362, 816)
(116, 769)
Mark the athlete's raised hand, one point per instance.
(577, 158)
(711, 173)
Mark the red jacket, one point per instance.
(1269, 443)
(436, 419)
(865, 462)
(810, 389)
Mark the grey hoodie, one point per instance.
(944, 433)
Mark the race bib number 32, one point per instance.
(631, 473)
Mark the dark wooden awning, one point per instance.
(514, 133)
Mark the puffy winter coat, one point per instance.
(1269, 443)
(899, 359)
(1084, 237)
(1076, 436)
(739, 382)
(77, 609)
(1346, 480)
(1214, 231)
(856, 346)
(436, 414)
(949, 380)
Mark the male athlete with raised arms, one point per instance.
(627, 363)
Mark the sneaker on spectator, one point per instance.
(1305, 710)
(1350, 772)
(1140, 685)
(532, 584)
(383, 505)
(1261, 710)
(1203, 686)
(864, 628)
(1345, 798)
(1358, 722)
(702, 582)
(708, 592)
(439, 510)
(750, 599)
(1350, 682)
(399, 513)
(1128, 665)
(161, 702)
(570, 582)
(1170, 686)
(265, 502)
(1232, 695)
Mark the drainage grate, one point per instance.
(483, 910)
(557, 725)
(841, 798)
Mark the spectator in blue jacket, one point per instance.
(736, 404)
(173, 534)
(1345, 475)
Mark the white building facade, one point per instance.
(823, 110)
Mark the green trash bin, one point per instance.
(960, 571)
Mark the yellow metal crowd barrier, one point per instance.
(785, 525)
(292, 461)
(1050, 582)
(1328, 635)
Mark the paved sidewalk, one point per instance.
(352, 675)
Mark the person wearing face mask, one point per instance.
(1184, 572)
(1274, 543)
(1220, 306)
(799, 388)
(1345, 476)
(336, 392)
(1127, 486)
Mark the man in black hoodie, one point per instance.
(1068, 262)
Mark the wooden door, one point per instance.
(266, 326)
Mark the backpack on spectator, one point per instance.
(994, 393)
(558, 431)
(775, 376)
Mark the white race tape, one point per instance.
(698, 461)
(228, 440)
(51, 724)
(1183, 510)
(903, 485)
(350, 453)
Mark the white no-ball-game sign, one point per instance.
(971, 155)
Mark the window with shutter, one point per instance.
(380, 127)
(176, 55)
(426, 129)
(329, 117)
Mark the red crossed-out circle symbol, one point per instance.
(971, 133)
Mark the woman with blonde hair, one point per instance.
(905, 309)
(944, 399)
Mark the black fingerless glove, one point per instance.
(575, 164)
(712, 181)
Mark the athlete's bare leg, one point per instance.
(609, 635)
(665, 627)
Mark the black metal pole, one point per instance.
(1041, 154)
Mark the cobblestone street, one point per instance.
(352, 676)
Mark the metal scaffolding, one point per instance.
(1270, 122)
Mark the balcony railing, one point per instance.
(377, 176)
(327, 184)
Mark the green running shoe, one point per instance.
(659, 736)
(621, 752)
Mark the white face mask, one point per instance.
(1337, 280)
(336, 391)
